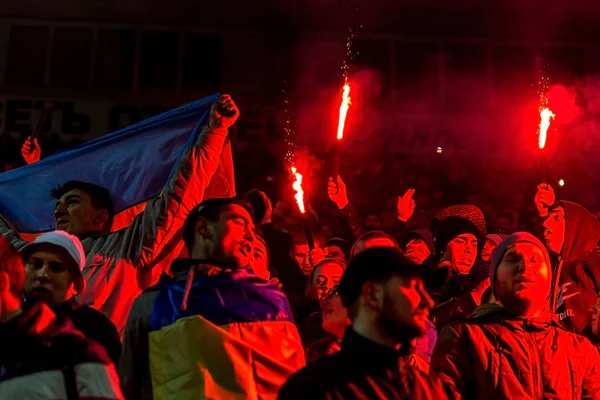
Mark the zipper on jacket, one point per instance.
(537, 367)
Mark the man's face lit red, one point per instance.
(325, 278)
(334, 252)
(234, 237)
(335, 315)
(75, 214)
(554, 232)
(49, 275)
(461, 252)
(259, 260)
(405, 307)
(417, 251)
(301, 254)
(523, 278)
(486, 253)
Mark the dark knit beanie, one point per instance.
(457, 220)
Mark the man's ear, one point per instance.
(372, 294)
(101, 217)
(201, 228)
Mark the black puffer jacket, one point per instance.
(362, 369)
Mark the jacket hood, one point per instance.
(582, 231)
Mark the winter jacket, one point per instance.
(454, 302)
(234, 337)
(578, 271)
(42, 357)
(94, 325)
(362, 369)
(119, 264)
(493, 355)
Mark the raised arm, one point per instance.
(9, 231)
(163, 217)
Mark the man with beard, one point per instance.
(213, 329)
(572, 233)
(514, 349)
(388, 306)
(53, 265)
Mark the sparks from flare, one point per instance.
(545, 116)
(343, 111)
(297, 185)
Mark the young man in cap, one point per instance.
(42, 356)
(514, 349)
(388, 306)
(571, 233)
(53, 265)
(120, 263)
(458, 232)
(214, 330)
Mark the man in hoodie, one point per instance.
(514, 349)
(120, 264)
(572, 233)
(42, 356)
(214, 329)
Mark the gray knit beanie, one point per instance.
(499, 251)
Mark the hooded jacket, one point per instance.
(42, 357)
(120, 264)
(576, 279)
(209, 334)
(493, 355)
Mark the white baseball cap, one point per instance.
(70, 243)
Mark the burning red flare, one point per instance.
(343, 111)
(545, 116)
(297, 185)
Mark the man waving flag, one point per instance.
(125, 195)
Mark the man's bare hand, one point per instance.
(218, 120)
(337, 192)
(544, 198)
(31, 156)
(406, 205)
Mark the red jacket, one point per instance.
(492, 355)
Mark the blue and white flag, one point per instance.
(133, 163)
